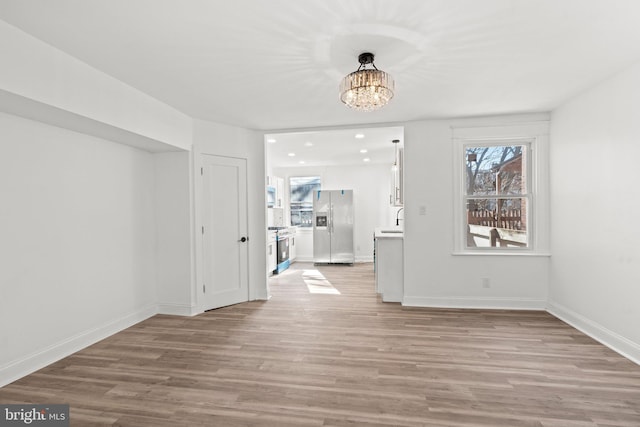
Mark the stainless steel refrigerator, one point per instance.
(333, 227)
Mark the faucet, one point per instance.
(398, 216)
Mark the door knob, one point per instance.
(243, 239)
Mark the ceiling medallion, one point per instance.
(366, 89)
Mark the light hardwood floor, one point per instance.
(326, 359)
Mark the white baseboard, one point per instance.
(616, 342)
(357, 259)
(476, 303)
(19, 368)
(177, 309)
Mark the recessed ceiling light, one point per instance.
(364, 150)
(359, 135)
(291, 154)
(271, 140)
(366, 159)
(308, 144)
(301, 162)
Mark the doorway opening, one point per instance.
(299, 164)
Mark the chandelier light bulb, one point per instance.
(366, 89)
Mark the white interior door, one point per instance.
(224, 232)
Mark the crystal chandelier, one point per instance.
(366, 89)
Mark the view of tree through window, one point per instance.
(496, 196)
(301, 199)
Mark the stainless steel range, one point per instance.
(283, 235)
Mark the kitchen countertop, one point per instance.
(389, 233)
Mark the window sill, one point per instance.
(502, 253)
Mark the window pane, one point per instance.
(301, 199)
(494, 222)
(495, 170)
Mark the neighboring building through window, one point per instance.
(301, 199)
(496, 195)
(501, 190)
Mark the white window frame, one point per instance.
(289, 195)
(533, 135)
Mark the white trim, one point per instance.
(358, 259)
(501, 253)
(506, 131)
(393, 296)
(476, 302)
(502, 120)
(31, 109)
(17, 369)
(198, 205)
(607, 337)
(177, 309)
(304, 230)
(536, 134)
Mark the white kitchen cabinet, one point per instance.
(396, 195)
(278, 184)
(292, 247)
(272, 252)
(389, 264)
(304, 244)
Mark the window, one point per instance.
(501, 190)
(301, 199)
(496, 195)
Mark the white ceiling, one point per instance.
(334, 147)
(277, 64)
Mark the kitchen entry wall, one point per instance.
(229, 141)
(370, 185)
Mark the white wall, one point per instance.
(77, 250)
(35, 71)
(432, 275)
(370, 185)
(79, 230)
(223, 140)
(175, 279)
(595, 274)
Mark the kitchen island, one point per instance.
(389, 263)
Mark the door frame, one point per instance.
(197, 293)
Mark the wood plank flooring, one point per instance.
(340, 357)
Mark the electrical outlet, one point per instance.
(486, 282)
(422, 210)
